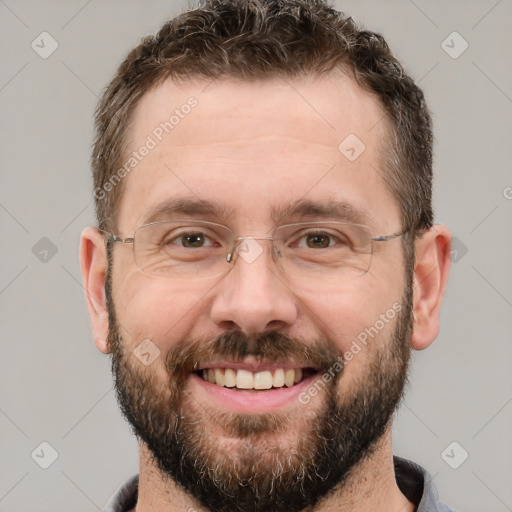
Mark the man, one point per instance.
(265, 260)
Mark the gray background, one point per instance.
(56, 387)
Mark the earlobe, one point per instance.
(432, 266)
(93, 261)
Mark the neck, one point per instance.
(371, 486)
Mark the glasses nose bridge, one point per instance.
(239, 240)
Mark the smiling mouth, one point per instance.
(245, 380)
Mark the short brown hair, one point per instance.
(262, 39)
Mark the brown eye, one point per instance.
(318, 240)
(188, 240)
(192, 240)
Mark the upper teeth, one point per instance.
(244, 379)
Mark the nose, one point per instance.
(254, 296)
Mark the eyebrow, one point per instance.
(298, 210)
(333, 210)
(190, 206)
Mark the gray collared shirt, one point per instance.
(414, 482)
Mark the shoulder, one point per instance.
(418, 486)
(125, 498)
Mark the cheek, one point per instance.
(155, 309)
(361, 312)
(362, 330)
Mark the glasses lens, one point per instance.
(310, 254)
(324, 251)
(182, 249)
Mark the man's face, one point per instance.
(254, 149)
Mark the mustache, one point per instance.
(188, 355)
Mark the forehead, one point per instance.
(255, 148)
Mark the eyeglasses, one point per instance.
(193, 249)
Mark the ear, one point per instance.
(93, 260)
(432, 266)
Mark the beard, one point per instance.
(262, 462)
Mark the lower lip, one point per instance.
(261, 401)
